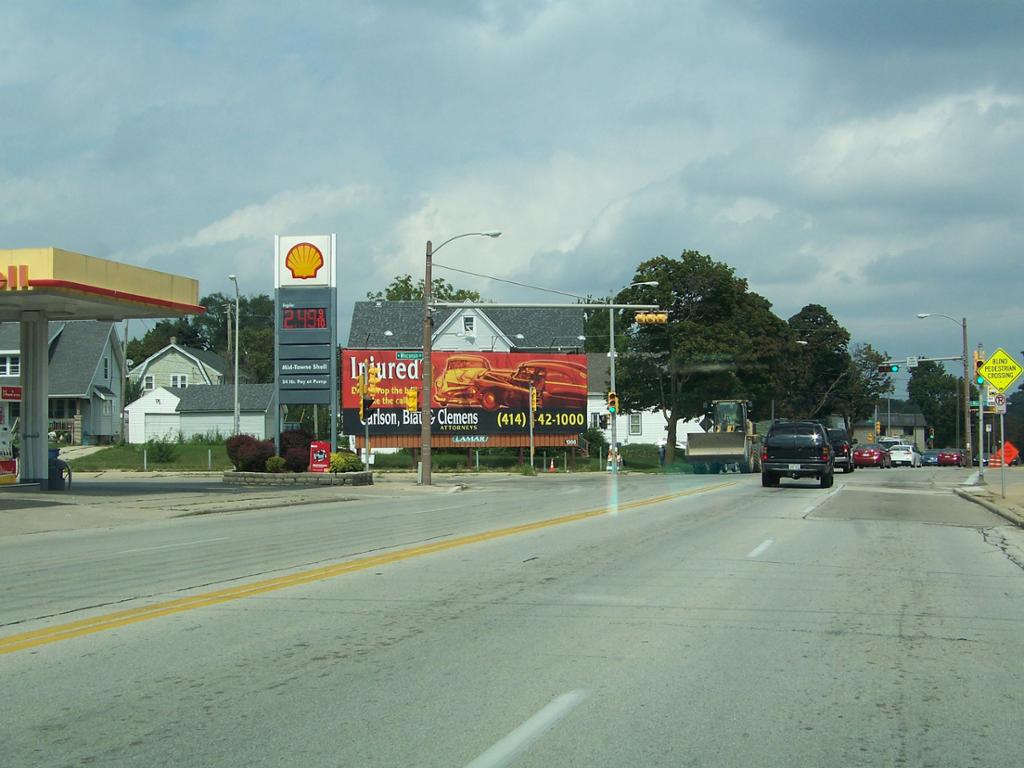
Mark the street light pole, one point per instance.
(234, 279)
(967, 383)
(611, 372)
(425, 366)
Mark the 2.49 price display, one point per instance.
(302, 318)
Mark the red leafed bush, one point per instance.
(252, 457)
(297, 459)
(295, 438)
(234, 443)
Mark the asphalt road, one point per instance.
(708, 622)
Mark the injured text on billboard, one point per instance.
(472, 393)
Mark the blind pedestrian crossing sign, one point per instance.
(1000, 370)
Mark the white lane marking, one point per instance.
(822, 500)
(760, 547)
(169, 546)
(506, 750)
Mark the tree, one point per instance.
(865, 385)
(937, 394)
(402, 288)
(820, 367)
(159, 336)
(721, 341)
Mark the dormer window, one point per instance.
(469, 325)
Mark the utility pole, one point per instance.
(614, 416)
(982, 400)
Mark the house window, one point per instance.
(469, 325)
(595, 421)
(108, 408)
(179, 379)
(147, 383)
(10, 365)
(106, 367)
(634, 423)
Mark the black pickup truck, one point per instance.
(796, 449)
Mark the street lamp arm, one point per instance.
(465, 234)
(923, 315)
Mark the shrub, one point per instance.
(297, 459)
(252, 457)
(639, 455)
(276, 464)
(345, 461)
(295, 438)
(234, 445)
(161, 451)
(597, 443)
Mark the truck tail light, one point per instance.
(764, 454)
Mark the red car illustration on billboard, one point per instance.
(469, 380)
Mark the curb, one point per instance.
(1006, 514)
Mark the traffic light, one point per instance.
(373, 375)
(878, 427)
(931, 432)
(412, 399)
(533, 400)
(613, 403)
(651, 318)
(979, 361)
(889, 368)
(364, 405)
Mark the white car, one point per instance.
(903, 454)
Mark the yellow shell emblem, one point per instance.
(304, 261)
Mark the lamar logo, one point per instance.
(304, 261)
(15, 279)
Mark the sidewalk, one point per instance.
(990, 495)
(112, 498)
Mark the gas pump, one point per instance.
(8, 464)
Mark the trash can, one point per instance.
(54, 474)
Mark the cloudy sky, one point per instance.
(868, 156)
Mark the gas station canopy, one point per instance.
(42, 284)
(73, 286)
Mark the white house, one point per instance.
(647, 426)
(166, 413)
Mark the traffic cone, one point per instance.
(552, 467)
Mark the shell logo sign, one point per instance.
(304, 261)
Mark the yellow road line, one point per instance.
(117, 619)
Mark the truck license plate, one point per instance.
(794, 466)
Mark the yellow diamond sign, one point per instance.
(1000, 370)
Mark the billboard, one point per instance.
(473, 393)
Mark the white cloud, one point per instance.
(284, 212)
(937, 144)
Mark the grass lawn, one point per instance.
(186, 457)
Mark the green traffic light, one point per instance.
(979, 380)
(894, 369)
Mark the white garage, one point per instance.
(167, 413)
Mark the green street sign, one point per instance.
(409, 355)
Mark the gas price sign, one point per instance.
(303, 318)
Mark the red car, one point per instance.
(950, 457)
(872, 456)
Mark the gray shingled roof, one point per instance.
(542, 328)
(221, 397)
(210, 359)
(76, 348)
